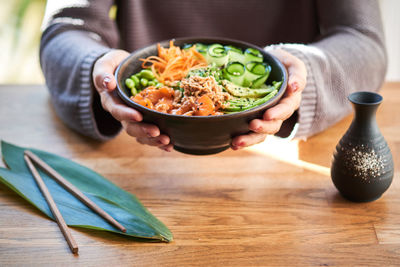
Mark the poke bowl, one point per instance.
(209, 97)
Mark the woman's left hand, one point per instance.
(273, 118)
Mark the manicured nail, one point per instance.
(239, 144)
(294, 86)
(237, 147)
(106, 80)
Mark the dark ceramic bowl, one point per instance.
(199, 135)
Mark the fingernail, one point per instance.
(106, 80)
(236, 147)
(294, 86)
(239, 144)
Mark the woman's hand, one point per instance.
(130, 118)
(273, 118)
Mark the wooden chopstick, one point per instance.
(53, 207)
(73, 190)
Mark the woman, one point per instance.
(330, 49)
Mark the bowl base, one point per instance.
(200, 151)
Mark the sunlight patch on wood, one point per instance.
(286, 151)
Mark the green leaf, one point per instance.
(120, 204)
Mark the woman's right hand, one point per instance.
(105, 83)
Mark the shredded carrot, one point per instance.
(173, 63)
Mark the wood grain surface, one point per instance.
(269, 205)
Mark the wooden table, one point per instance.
(272, 204)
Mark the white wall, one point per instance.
(391, 22)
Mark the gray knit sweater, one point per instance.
(340, 41)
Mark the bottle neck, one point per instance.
(364, 124)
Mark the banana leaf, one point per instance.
(120, 204)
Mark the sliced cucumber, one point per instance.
(235, 56)
(251, 54)
(256, 74)
(202, 49)
(234, 72)
(233, 48)
(217, 54)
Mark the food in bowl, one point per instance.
(202, 80)
(197, 134)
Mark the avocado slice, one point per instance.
(240, 91)
(239, 104)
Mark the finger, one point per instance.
(265, 127)
(242, 141)
(142, 130)
(297, 77)
(105, 81)
(297, 70)
(120, 111)
(168, 147)
(104, 68)
(161, 141)
(284, 109)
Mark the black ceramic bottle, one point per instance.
(362, 167)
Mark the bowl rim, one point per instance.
(199, 39)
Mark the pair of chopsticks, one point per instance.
(29, 157)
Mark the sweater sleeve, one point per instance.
(76, 33)
(348, 56)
